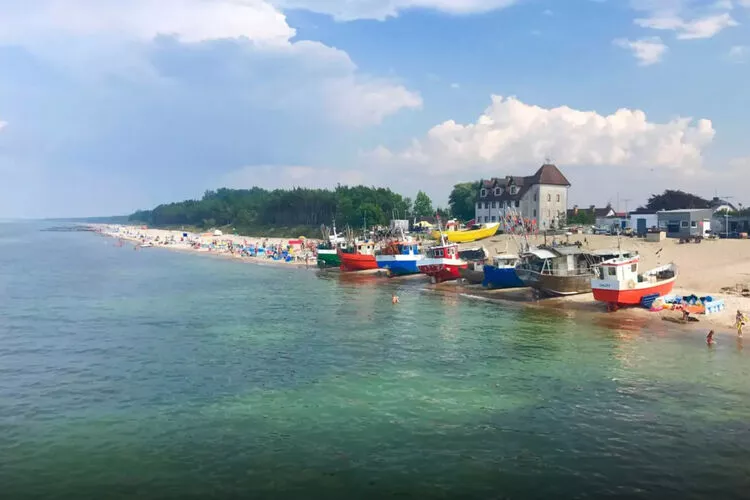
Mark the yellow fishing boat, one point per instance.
(474, 233)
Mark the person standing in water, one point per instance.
(710, 338)
(394, 299)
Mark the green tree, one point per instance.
(422, 205)
(675, 200)
(462, 200)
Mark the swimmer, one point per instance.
(394, 299)
(710, 338)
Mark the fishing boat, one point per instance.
(475, 259)
(358, 257)
(618, 283)
(400, 258)
(327, 252)
(475, 232)
(554, 271)
(502, 272)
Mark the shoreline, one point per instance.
(722, 322)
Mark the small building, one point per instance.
(616, 221)
(685, 223)
(399, 225)
(640, 221)
(725, 225)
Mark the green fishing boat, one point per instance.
(327, 252)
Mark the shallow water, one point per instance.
(157, 374)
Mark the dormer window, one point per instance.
(514, 190)
(498, 191)
(483, 193)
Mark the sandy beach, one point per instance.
(719, 268)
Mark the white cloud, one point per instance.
(3, 124)
(511, 133)
(113, 37)
(289, 176)
(347, 10)
(739, 53)
(648, 51)
(704, 27)
(190, 20)
(547, 12)
(455, 85)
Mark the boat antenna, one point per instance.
(440, 229)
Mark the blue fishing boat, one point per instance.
(502, 272)
(400, 258)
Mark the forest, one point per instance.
(290, 212)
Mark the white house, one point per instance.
(542, 197)
(642, 220)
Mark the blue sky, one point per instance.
(107, 106)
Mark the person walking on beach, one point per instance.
(740, 322)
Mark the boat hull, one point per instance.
(472, 276)
(549, 285)
(468, 236)
(501, 277)
(399, 265)
(352, 262)
(442, 269)
(328, 258)
(607, 291)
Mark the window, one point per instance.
(694, 223)
(486, 219)
(558, 198)
(535, 212)
(534, 196)
(513, 189)
(479, 206)
(497, 191)
(483, 193)
(634, 268)
(548, 214)
(549, 197)
(518, 203)
(494, 219)
(612, 271)
(486, 204)
(684, 223)
(494, 204)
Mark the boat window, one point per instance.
(612, 271)
(438, 253)
(634, 268)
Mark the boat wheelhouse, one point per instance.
(475, 258)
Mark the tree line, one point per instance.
(288, 211)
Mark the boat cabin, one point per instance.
(362, 248)
(505, 260)
(625, 269)
(443, 252)
(560, 261)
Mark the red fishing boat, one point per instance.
(360, 257)
(442, 263)
(618, 282)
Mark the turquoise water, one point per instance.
(158, 374)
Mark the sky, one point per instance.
(108, 106)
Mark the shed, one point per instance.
(685, 223)
(641, 221)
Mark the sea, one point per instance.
(157, 374)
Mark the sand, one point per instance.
(720, 268)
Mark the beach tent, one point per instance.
(218, 233)
(423, 224)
